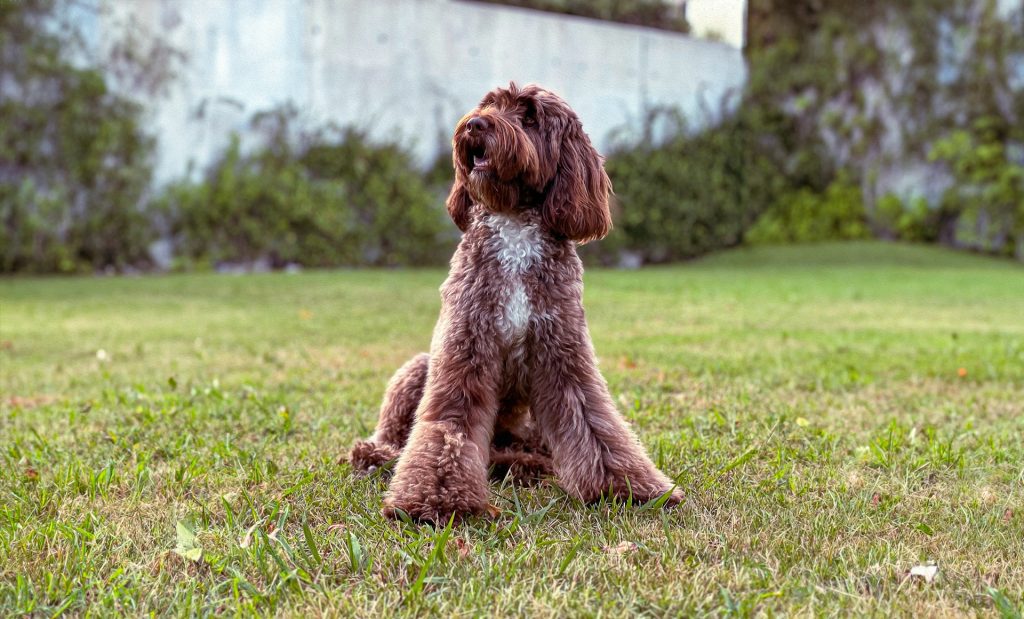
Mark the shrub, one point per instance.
(691, 194)
(912, 220)
(988, 196)
(805, 215)
(335, 200)
(74, 161)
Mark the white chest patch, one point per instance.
(518, 243)
(517, 247)
(515, 313)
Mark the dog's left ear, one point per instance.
(459, 202)
(576, 205)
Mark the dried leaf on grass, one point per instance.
(463, 547)
(621, 548)
(187, 547)
(927, 572)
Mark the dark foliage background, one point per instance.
(74, 161)
(838, 95)
(326, 198)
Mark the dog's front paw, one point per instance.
(437, 512)
(441, 474)
(429, 498)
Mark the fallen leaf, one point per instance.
(802, 422)
(875, 499)
(621, 548)
(927, 572)
(1008, 515)
(988, 496)
(336, 527)
(246, 540)
(31, 474)
(493, 510)
(187, 546)
(305, 314)
(30, 401)
(961, 372)
(463, 546)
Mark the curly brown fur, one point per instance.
(516, 450)
(511, 381)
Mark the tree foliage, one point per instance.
(891, 85)
(74, 158)
(988, 194)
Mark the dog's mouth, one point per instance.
(476, 158)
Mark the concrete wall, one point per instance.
(408, 69)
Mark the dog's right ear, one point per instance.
(459, 202)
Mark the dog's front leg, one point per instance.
(443, 469)
(593, 448)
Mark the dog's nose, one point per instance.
(476, 124)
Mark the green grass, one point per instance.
(836, 414)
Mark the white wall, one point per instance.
(408, 69)
(724, 20)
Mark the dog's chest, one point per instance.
(517, 247)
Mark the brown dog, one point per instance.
(511, 378)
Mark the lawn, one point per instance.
(837, 416)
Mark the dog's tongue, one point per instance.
(478, 161)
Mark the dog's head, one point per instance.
(525, 148)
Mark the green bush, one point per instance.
(74, 160)
(805, 216)
(988, 196)
(913, 221)
(690, 194)
(816, 60)
(335, 200)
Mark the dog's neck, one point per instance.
(529, 198)
(520, 215)
(526, 205)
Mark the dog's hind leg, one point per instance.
(521, 464)
(517, 450)
(395, 421)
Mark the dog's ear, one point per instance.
(576, 205)
(459, 202)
